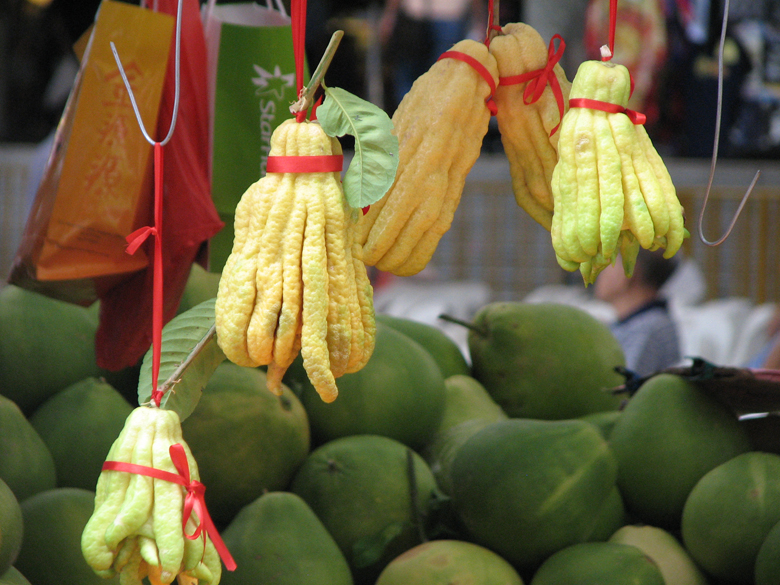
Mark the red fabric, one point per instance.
(479, 68)
(539, 78)
(328, 163)
(635, 117)
(194, 501)
(126, 313)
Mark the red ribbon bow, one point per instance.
(194, 501)
(538, 79)
(634, 116)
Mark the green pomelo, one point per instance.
(442, 348)
(360, 488)
(13, 577)
(46, 346)
(604, 421)
(245, 439)
(676, 565)
(611, 516)
(729, 514)
(51, 547)
(26, 464)
(668, 436)
(78, 426)
(526, 488)
(767, 566)
(599, 563)
(546, 360)
(447, 562)
(201, 286)
(278, 539)
(467, 409)
(398, 394)
(11, 527)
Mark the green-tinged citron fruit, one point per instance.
(599, 563)
(360, 488)
(245, 439)
(729, 514)
(46, 346)
(447, 562)
(51, 547)
(201, 286)
(26, 464)
(668, 436)
(676, 565)
(79, 425)
(526, 488)
(441, 346)
(13, 577)
(467, 409)
(278, 539)
(546, 360)
(11, 527)
(767, 566)
(398, 394)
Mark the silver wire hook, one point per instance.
(177, 84)
(715, 147)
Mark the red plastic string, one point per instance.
(612, 27)
(134, 241)
(634, 116)
(539, 78)
(329, 163)
(479, 68)
(298, 17)
(193, 502)
(491, 25)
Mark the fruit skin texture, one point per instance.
(599, 563)
(50, 553)
(526, 488)
(676, 565)
(398, 394)
(444, 350)
(359, 487)
(38, 329)
(667, 437)
(245, 439)
(768, 558)
(13, 577)
(440, 125)
(278, 539)
(78, 426)
(546, 360)
(443, 562)
(11, 527)
(526, 128)
(729, 514)
(26, 464)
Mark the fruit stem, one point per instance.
(307, 93)
(175, 377)
(475, 328)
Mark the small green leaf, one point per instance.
(188, 357)
(372, 170)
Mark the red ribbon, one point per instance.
(298, 18)
(479, 68)
(194, 501)
(539, 78)
(134, 241)
(329, 163)
(634, 116)
(612, 27)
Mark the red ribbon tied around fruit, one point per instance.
(479, 68)
(194, 501)
(538, 79)
(634, 116)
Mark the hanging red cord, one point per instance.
(612, 27)
(298, 16)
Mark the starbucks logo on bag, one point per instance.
(271, 88)
(275, 83)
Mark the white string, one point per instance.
(176, 94)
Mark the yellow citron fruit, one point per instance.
(612, 193)
(440, 125)
(295, 281)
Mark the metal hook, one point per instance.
(715, 147)
(177, 83)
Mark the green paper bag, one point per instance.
(252, 85)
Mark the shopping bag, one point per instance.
(252, 85)
(189, 218)
(97, 182)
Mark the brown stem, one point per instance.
(476, 329)
(307, 93)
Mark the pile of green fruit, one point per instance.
(515, 464)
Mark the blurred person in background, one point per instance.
(643, 325)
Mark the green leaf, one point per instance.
(372, 170)
(188, 357)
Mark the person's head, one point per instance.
(651, 272)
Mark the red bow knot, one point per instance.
(138, 237)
